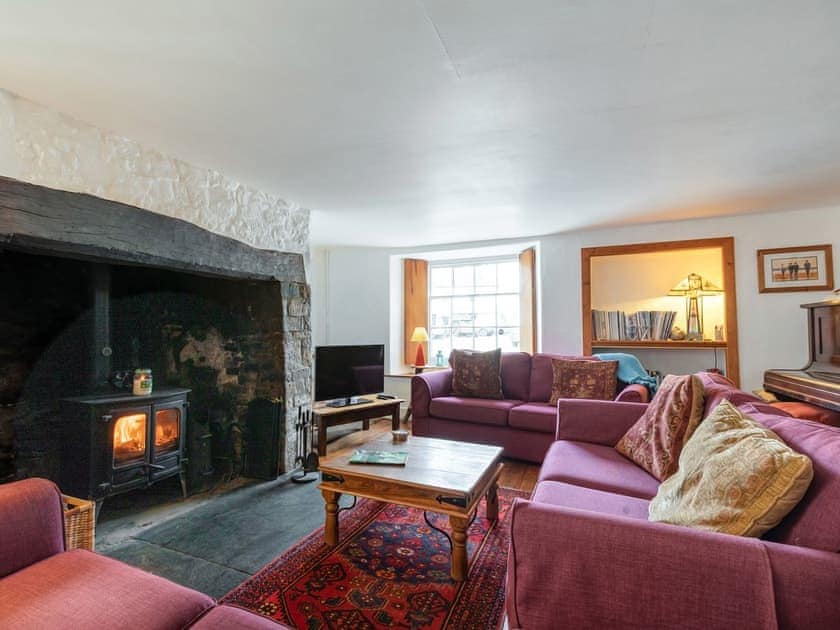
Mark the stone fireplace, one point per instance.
(93, 288)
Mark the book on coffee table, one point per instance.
(390, 458)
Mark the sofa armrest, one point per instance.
(31, 523)
(633, 393)
(595, 421)
(426, 386)
(571, 568)
(802, 577)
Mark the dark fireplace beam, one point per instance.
(44, 220)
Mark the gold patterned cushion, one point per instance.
(655, 441)
(735, 476)
(582, 379)
(476, 374)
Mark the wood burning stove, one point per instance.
(117, 442)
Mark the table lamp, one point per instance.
(693, 287)
(419, 336)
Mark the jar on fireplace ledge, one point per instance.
(142, 382)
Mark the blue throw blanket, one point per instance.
(630, 369)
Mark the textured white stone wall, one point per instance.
(54, 150)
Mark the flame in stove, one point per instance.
(130, 434)
(167, 427)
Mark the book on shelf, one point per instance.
(388, 458)
(638, 326)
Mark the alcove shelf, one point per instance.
(681, 345)
(680, 258)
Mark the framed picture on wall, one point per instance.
(795, 269)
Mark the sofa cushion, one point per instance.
(226, 617)
(657, 438)
(478, 410)
(735, 476)
(476, 374)
(567, 495)
(598, 467)
(809, 412)
(542, 375)
(594, 380)
(32, 520)
(814, 522)
(540, 417)
(94, 592)
(516, 375)
(717, 387)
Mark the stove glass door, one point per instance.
(167, 430)
(130, 438)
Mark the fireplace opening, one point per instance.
(70, 332)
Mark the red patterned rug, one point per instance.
(389, 570)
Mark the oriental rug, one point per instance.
(389, 570)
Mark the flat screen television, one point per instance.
(343, 373)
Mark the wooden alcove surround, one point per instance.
(726, 245)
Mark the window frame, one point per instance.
(473, 262)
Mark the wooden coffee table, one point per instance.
(440, 476)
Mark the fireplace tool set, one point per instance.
(306, 459)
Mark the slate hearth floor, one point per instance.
(210, 542)
(215, 540)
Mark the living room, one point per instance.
(199, 200)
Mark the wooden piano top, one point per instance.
(818, 382)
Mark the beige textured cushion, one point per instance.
(657, 438)
(735, 476)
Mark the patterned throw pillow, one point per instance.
(582, 379)
(735, 476)
(476, 374)
(655, 441)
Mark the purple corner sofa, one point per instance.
(584, 555)
(44, 587)
(523, 422)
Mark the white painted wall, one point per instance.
(44, 147)
(359, 290)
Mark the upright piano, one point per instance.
(818, 382)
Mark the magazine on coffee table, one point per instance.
(389, 458)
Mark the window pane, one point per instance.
(464, 280)
(440, 339)
(440, 312)
(508, 339)
(485, 278)
(508, 310)
(462, 311)
(441, 281)
(485, 311)
(486, 341)
(508, 277)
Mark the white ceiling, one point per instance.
(406, 123)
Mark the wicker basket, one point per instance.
(79, 523)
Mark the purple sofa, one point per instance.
(584, 555)
(523, 423)
(42, 586)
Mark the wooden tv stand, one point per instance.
(333, 416)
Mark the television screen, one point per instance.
(347, 371)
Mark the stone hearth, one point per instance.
(82, 275)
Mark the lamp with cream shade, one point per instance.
(693, 287)
(419, 336)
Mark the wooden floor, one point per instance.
(516, 474)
